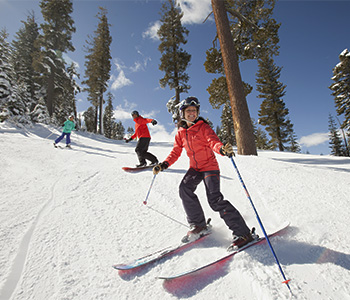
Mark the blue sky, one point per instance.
(312, 35)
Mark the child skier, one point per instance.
(68, 126)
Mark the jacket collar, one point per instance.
(184, 125)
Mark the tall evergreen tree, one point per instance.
(89, 119)
(227, 132)
(250, 42)
(98, 66)
(6, 92)
(108, 118)
(11, 103)
(245, 32)
(174, 59)
(335, 142)
(24, 45)
(341, 87)
(55, 40)
(67, 102)
(130, 131)
(261, 139)
(273, 112)
(119, 131)
(292, 139)
(40, 114)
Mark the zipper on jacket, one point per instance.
(188, 143)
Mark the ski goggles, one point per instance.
(188, 102)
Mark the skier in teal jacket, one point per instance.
(67, 129)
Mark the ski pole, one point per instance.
(49, 135)
(149, 190)
(286, 281)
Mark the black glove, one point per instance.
(160, 167)
(154, 122)
(128, 140)
(227, 150)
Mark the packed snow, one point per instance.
(68, 215)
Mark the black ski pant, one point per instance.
(193, 208)
(142, 151)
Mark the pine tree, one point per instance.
(119, 131)
(24, 45)
(108, 119)
(247, 36)
(40, 114)
(70, 88)
(292, 139)
(89, 118)
(341, 87)
(273, 112)
(174, 59)
(5, 82)
(250, 42)
(98, 65)
(254, 30)
(55, 40)
(10, 103)
(227, 133)
(261, 139)
(130, 131)
(335, 142)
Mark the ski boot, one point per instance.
(238, 241)
(196, 232)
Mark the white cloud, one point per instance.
(195, 11)
(136, 67)
(151, 31)
(120, 81)
(123, 112)
(119, 64)
(159, 134)
(314, 139)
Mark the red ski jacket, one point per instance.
(199, 141)
(141, 129)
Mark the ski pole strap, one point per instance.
(149, 190)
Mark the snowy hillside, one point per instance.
(67, 216)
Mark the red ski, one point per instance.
(156, 256)
(137, 169)
(220, 261)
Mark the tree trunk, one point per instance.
(50, 93)
(240, 112)
(100, 130)
(96, 118)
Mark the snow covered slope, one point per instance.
(66, 216)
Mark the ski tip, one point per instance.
(144, 202)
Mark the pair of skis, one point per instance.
(60, 147)
(156, 256)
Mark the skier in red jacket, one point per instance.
(144, 138)
(200, 142)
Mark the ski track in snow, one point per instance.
(68, 215)
(18, 264)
